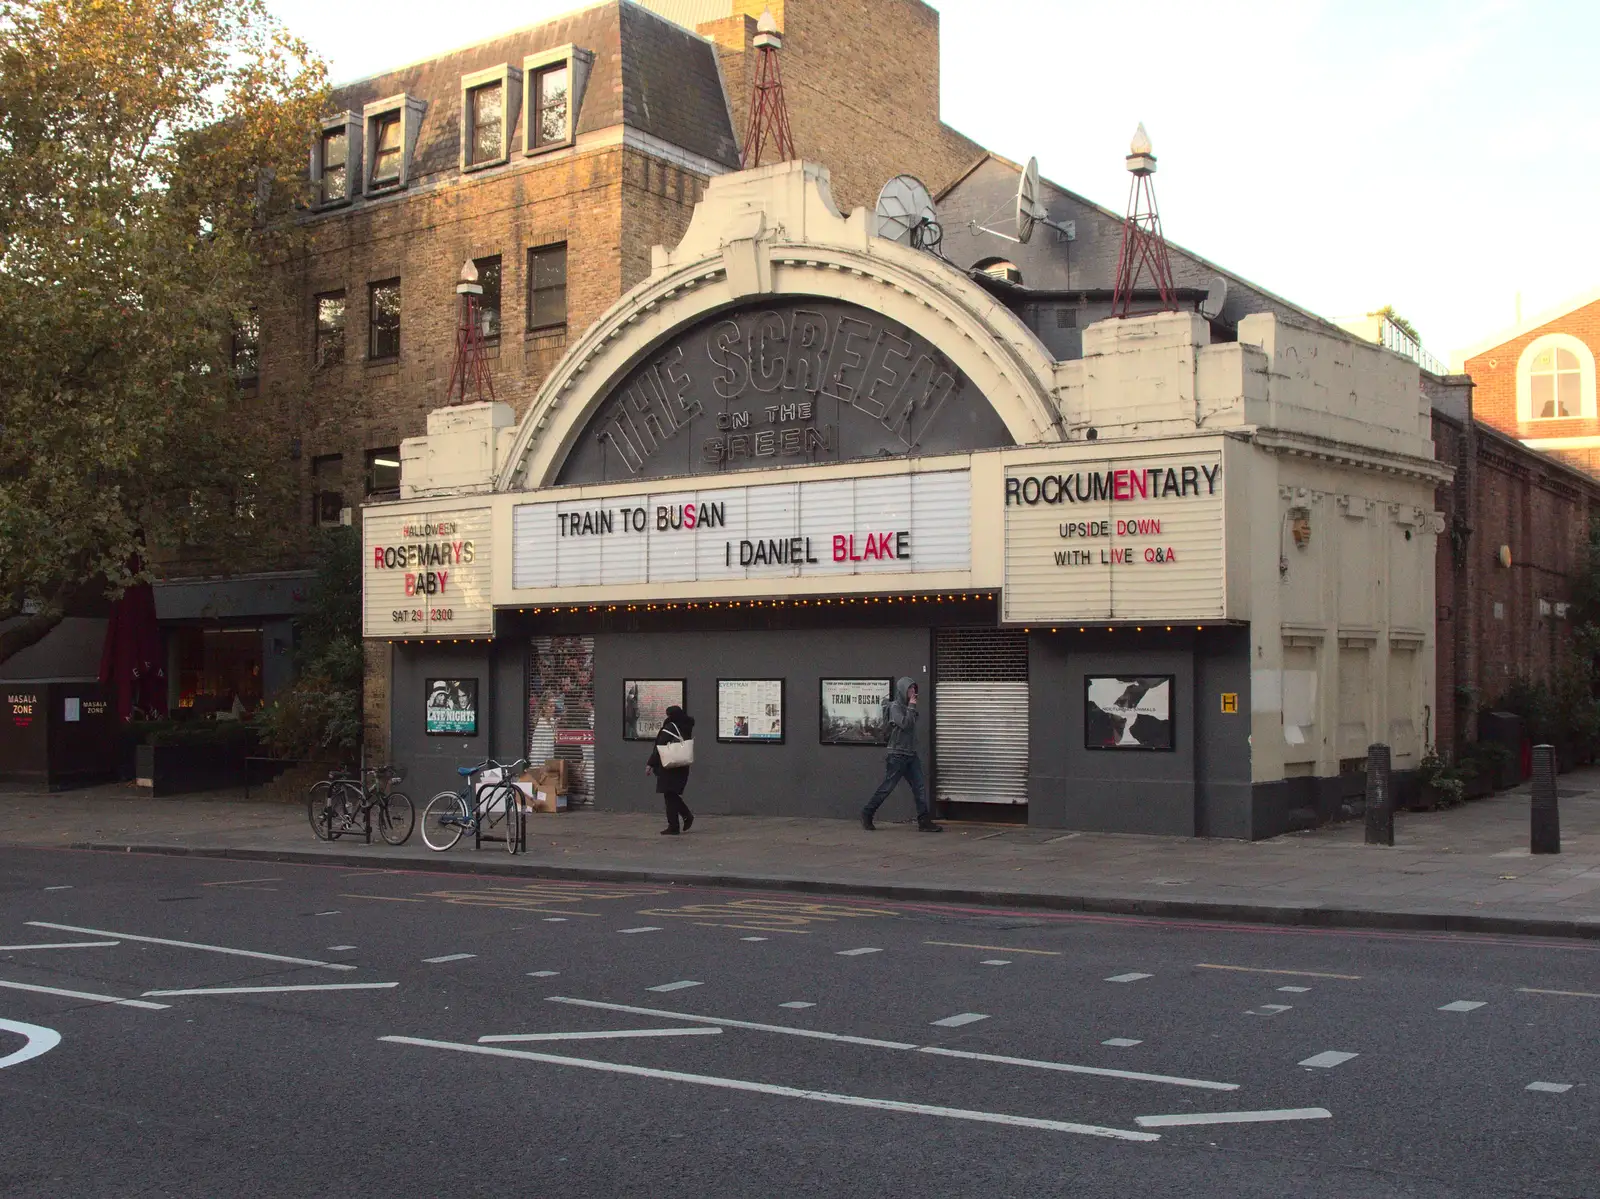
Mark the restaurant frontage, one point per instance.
(1170, 587)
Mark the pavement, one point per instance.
(1466, 868)
(206, 1027)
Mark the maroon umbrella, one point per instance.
(131, 662)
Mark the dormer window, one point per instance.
(556, 80)
(387, 149)
(489, 104)
(488, 122)
(335, 152)
(336, 160)
(391, 131)
(550, 96)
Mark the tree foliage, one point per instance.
(151, 158)
(1400, 322)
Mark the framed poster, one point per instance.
(750, 710)
(852, 711)
(645, 703)
(1128, 711)
(451, 707)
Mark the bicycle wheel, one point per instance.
(443, 820)
(500, 807)
(319, 809)
(397, 815)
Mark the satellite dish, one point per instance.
(1216, 296)
(1029, 210)
(905, 213)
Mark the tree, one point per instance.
(151, 159)
(1400, 322)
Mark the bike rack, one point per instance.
(519, 831)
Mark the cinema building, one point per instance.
(1175, 585)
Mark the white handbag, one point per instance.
(674, 754)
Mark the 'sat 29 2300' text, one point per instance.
(406, 615)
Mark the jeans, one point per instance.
(676, 808)
(897, 767)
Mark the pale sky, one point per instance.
(1438, 155)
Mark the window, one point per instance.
(330, 330)
(1555, 379)
(334, 156)
(383, 471)
(486, 113)
(384, 320)
(387, 147)
(547, 286)
(548, 107)
(489, 302)
(246, 349)
(327, 489)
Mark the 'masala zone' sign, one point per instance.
(800, 380)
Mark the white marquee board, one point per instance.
(427, 574)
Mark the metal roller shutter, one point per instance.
(981, 715)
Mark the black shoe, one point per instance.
(669, 832)
(688, 821)
(866, 821)
(927, 825)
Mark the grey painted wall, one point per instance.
(1226, 800)
(430, 762)
(797, 778)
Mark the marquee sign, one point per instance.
(897, 524)
(427, 575)
(1130, 538)
(798, 380)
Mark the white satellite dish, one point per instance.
(1216, 296)
(905, 213)
(1029, 211)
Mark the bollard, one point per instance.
(1380, 800)
(1545, 817)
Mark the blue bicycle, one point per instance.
(496, 805)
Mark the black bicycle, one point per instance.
(340, 804)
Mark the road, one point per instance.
(180, 1026)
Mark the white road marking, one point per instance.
(543, 973)
(726, 1023)
(555, 919)
(242, 953)
(1553, 1088)
(333, 912)
(1463, 1005)
(754, 938)
(1048, 953)
(60, 887)
(1287, 1113)
(59, 945)
(340, 948)
(797, 1004)
(450, 957)
(855, 953)
(994, 962)
(1264, 970)
(602, 1036)
(1121, 1042)
(154, 1007)
(959, 1019)
(39, 1040)
(275, 990)
(1295, 990)
(1068, 1068)
(1573, 994)
(1328, 1059)
(241, 882)
(763, 1088)
(1128, 978)
(647, 928)
(1270, 1009)
(680, 985)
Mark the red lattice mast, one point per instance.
(769, 115)
(471, 368)
(1144, 249)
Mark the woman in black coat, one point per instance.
(670, 782)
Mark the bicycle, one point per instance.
(498, 803)
(340, 804)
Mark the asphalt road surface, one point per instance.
(174, 1026)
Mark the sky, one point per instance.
(1442, 156)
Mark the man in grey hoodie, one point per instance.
(903, 761)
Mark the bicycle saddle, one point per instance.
(464, 771)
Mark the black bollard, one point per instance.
(1380, 799)
(1545, 816)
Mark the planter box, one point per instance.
(177, 769)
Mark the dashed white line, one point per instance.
(1266, 970)
(274, 990)
(332, 912)
(616, 1034)
(1287, 1113)
(1328, 1059)
(994, 962)
(1552, 1088)
(60, 887)
(1131, 977)
(644, 928)
(241, 882)
(813, 1034)
(959, 1019)
(755, 938)
(1121, 1042)
(763, 1088)
(1462, 1005)
(555, 920)
(117, 999)
(59, 945)
(242, 953)
(1295, 990)
(543, 973)
(855, 953)
(450, 957)
(797, 1004)
(1270, 1009)
(681, 985)
(340, 948)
